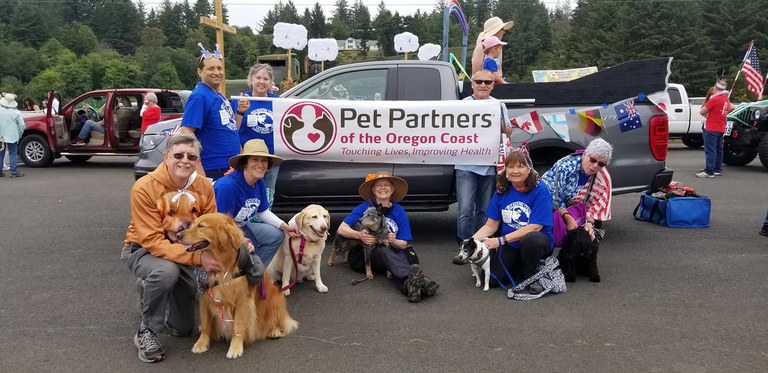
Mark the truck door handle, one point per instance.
(678, 110)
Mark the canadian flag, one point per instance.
(529, 122)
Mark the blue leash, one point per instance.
(509, 276)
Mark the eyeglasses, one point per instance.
(190, 156)
(204, 53)
(480, 82)
(601, 164)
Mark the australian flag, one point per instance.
(626, 114)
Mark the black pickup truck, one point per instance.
(638, 161)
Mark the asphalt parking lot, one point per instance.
(671, 300)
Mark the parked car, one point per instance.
(685, 122)
(746, 134)
(637, 165)
(48, 136)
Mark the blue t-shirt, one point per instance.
(517, 209)
(397, 220)
(257, 122)
(490, 64)
(209, 112)
(235, 197)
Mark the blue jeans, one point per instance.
(473, 193)
(88, 127)
(713, 152)
(266, 239)
(13, 156)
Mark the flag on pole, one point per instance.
(528, 122)
(752, 72)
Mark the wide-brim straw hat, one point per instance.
(401, 186)
(9, 100)
(255, 148)
(493, 25)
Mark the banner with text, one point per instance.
(428, 132)
(546, 76)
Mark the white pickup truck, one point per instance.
(684, 119)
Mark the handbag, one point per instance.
(549, 276)
(674, 212)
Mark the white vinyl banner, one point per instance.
(428, 132)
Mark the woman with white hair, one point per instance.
(581, 189)
(11, 129)
(150, 114)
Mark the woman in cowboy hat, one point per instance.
(381, 188)
(494, 26)
(243, 195)
(11, 129)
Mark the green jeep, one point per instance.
(746, 134)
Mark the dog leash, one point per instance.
(295, 261)
(509, 276)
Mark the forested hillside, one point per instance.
(78, 45)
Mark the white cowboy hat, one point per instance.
(255, 148)
(493, 25)
(8, 100)
(401, 186)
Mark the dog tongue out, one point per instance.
(197, 246)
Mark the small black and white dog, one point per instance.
(579, 256)
(479, 256)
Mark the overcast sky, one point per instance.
(251, 12)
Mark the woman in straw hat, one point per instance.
(11, 129)
(381, 188)
(493, 26)
(243, 195)
(522, 206)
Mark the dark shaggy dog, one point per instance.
(579, 256)
(373, 223)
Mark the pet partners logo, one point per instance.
(516, 215)
(308, 128)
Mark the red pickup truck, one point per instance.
(49, 135)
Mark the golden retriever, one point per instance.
(178, 211)
(231, 308)
(313, 223)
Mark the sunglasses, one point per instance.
(601, 164)
(480, 82)
(190, 156)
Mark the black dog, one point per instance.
(579, 256)
(372, 222)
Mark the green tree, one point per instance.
(165, 76)
(79, 38)
(171, 21)
(47, 80)
(341, 27)
(153, 37)
(12, 84)
(19, 61)
(121, 74)
(317, 25)
(32, 24)
(116, 23)
(387, 26)
(361, 24)
(530, 36)
(76, 79)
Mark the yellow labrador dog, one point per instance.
(304, 253)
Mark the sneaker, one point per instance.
(459, 261)
(150, 350)
(414, 284)
(78, 142)
(430, 287)
(718, 174)
(2, 174)
(764, 231)
(18, 174)
(535, 288)
(703, 174)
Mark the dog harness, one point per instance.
(478, 260)
(249, 268)
(296, 260)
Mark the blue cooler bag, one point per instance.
(675, 212)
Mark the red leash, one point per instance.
(295, 261)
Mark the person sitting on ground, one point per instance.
(492, 46)
(165, 270)
(581, 189)
(398, 258)
(523, 207)
(150, 113)
(29, 104)
(242, 194)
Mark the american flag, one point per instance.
(751, 70)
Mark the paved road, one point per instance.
(671, 300)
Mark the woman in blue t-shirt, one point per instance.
(256, 122)
(387, 190)
(523, 207)
(242, 194)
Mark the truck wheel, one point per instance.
(737, 157)
(35, 152)
(763, 149)
(79, 159)
(693, 141)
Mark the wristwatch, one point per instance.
(240, 113)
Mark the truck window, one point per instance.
(418, 84)
(366, 85)
(169, 102)
(674, 96)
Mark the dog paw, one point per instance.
(287, 292)
(199, 348)
(309, 278)
(486, 288)
(235, 352)
(478, 284)
(275, 333)
(322, 288)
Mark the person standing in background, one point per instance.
(11, 129)
(715, 110)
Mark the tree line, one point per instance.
(75, 46)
